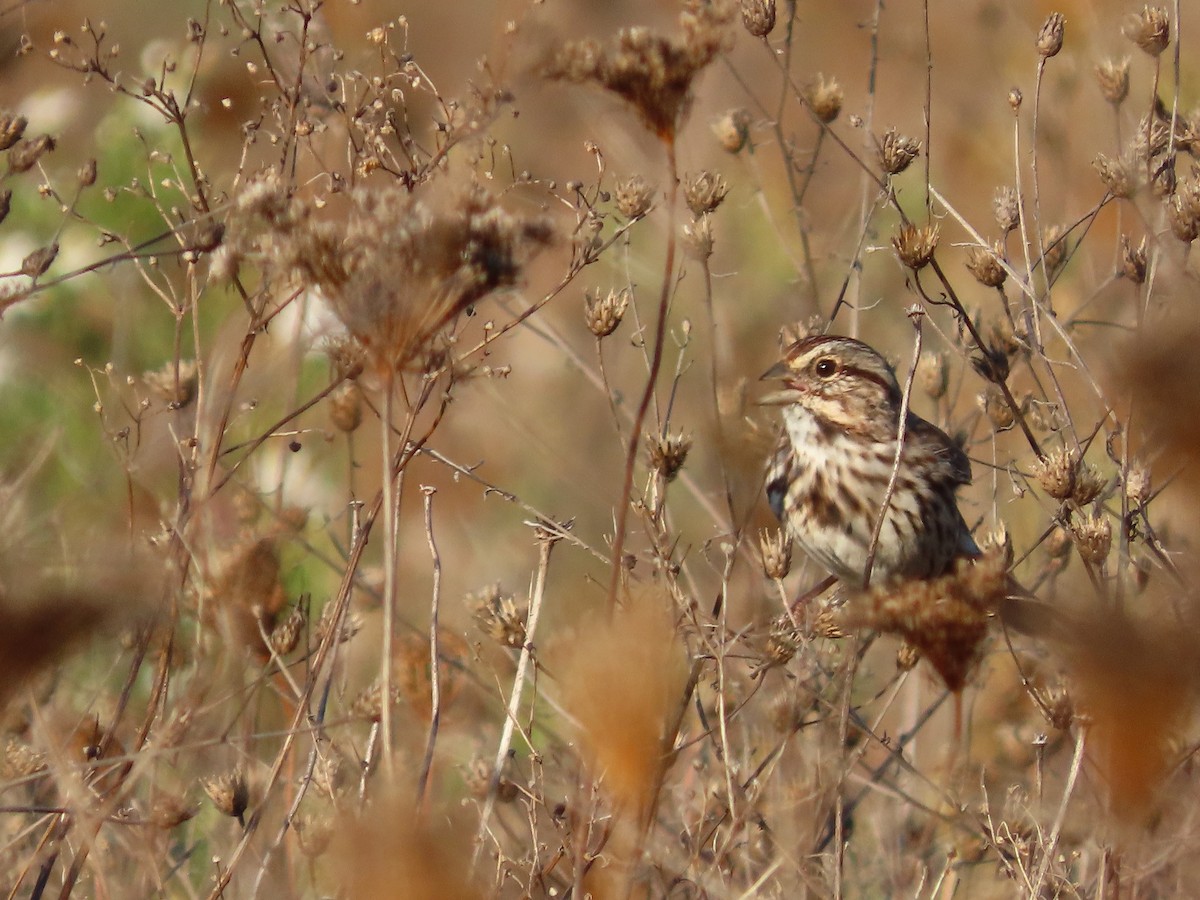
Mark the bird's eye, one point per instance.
(826, 367)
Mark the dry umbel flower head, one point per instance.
(944, 618)
(653, 73)
(402, 264)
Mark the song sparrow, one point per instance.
(828, 477)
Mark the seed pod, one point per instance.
(634, 197)
(1050, 38)
(776, 548)
(915, 245)
(896, 152)
(1113, 78)
(984, 264)
(1150, 29)
(758, 16)
(704, 192)
(824, 98)
(733, 130)
(604, 314)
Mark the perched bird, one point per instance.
(841, 412)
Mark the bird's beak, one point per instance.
(783, 397)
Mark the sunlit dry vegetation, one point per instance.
(383, 482)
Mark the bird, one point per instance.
(841, 405)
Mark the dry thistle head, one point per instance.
(12, 127)
(1150, 29)
(667, 453)
(1113, 77)
(634, 197)
(498, 617)
(1050, 38)
(984, 264)
(229, 793)
(782, 642)
(896, 152)
(345, 407)
(758, 16)
(1119, 175)
(704, 192)
(1133, 260)
(651, 72)
(776, 548)
(1093, 538)
(177, 393)
(1064, 476)
(915, 244)
(604, 314)
(733, 130)
(1006, 209)
(824, 97)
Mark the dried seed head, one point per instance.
(996, 408)
(87, 173)
(1056, 250)
(346, 354)
(733, 130)
(634, 197)
(345, 407)
(176, 392)
(497, 615)
(1064, 476)
(12, 127)
(782, 642)
(698, 238)
(653, 73)
(1119, 175)
(934, 373)
(915, 245)
(170, 811)
(25, 153)
(1150, 29)
(984, 264)
(1113, 77)
(758, 16)
(667, 453)
(1093, 538)
(313, 834)
(1183, 224)
(604, 314)
(824, 97)
(229, 793)
(286, 635)
(1006, 209)
(907, 657)
(827, 624)
(776, 548)
(1137, 485)
(1014, 100)
(704, 192)
(37, 262)
(1050, 38)
(896, 152)
(1133, 260)
(1059, 543)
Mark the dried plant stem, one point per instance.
(435, 682)
(391, 535)
(901, 429)
(1050, 846)
(545, 546)
(660, 332)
